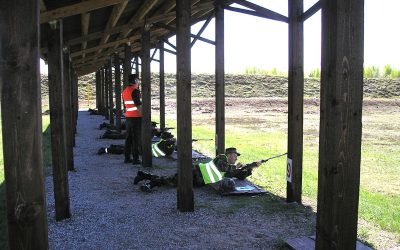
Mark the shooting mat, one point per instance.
(242, 187)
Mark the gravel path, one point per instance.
(109, 212)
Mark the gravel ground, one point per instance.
(109, 212)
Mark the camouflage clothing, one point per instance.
(221, 161)
(231, 170)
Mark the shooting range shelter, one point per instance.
(81, 37)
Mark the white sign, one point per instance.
(289, 170)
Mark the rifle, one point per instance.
(276, 156)
(254, 164)
(167, 128)
(201, 140)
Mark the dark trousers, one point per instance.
(133, 141)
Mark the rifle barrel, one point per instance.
(276, 156)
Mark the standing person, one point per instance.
(131, 97)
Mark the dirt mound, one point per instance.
(203, 85)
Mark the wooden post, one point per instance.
(162, 87)
(68, 112)
(106, 90)
(103, 91)
(184, 113)
(340, 126)
(110, 93)
(97, 90)
(58, 133)
(76, 100)
(100, 90)
(117, 91)
(74, 81)
(146, 99)
(295, 103)
(219, 80)
(137, 64)
(22, 124)
(127, 63)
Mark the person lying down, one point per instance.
(164, 147)
(222, 170)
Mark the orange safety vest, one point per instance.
(131, 109)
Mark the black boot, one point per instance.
(146, 187)
(136, 162)
(101, 151)
(154, 182)
(140, 176)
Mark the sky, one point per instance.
(258, 42)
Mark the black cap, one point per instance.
(166, 135)
(132, 78)
(231, 150)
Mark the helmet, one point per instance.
(226, 185)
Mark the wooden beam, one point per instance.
(112, 21)
(58, 132)
(75, 103)
(154, 53)
(114, 43)
(137, 64)
(311, 11)
(68, 111)
(295, 101)
(139, 16)
(107, 45)
(95, 58)
(110, 92)
(136, 20)
(169, 43)
(118, 103)
(162, 87)
(127, 63)
(263, 11)
(118, 29)
(197, 37)
(341, 123)
(201, 30)
(22, 124)
(185, 197)
(102, 97)
(42, 6)
(170, 51)
(85, 18)
(76, 9)
(98, 90)
(168, 6)
(219, 80)
(146, 100)
(253, 13)
(106, 92)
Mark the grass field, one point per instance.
(264, 134)
(260, 133)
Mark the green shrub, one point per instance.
(315, 73)
(256, 71)
(371, 72)
(387, 71)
